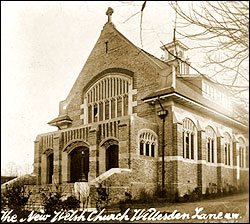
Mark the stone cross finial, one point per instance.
(109, 14)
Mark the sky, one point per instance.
(45, 46)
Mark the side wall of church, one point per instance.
(199, 172)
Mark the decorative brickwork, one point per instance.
(113, 112)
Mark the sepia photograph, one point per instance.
(125, 111)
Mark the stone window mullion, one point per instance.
(215, 150)
(225, 149)
(85, 109)
(184, 144)
(118, 87)
(122, 105)
(244, 157)
(109, 87)
(106, 89)
(210, 144)
(101, 91)
(144, 148)
(110, 108)
(122, 87)
(187, 142)
(227, 154)
(189, 139)
(104, 107)
(130, 99)
(97, 93)
(212, 150)
(98, 112)
(92, 109)
(240, 156)
(207, 149)
(112, 87)
(116, 106)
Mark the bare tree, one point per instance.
(222, 30)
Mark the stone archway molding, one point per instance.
(73, 144)
(48, 151)
(109, 141)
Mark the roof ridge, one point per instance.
(152, 57)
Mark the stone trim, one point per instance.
(147, 136)
(115, 141)
(73, 144)
(204, 162)
(197, 104)
(103, 73)
(48, 151)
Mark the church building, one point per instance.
(141, 123)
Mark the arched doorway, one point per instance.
(112, 160)
(79, 163)
(50, 167)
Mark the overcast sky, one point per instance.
(44, 47)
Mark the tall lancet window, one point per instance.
(110, 97)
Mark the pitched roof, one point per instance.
(60, 118)
(161, 64)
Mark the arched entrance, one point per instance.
(79, 163)
(112, 160)
(50, 167)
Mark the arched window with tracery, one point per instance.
(147, 143)
(110, 97)
(211, 144)
(242, 153)
(227, 149)
(189, 139)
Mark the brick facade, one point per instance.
(145, 75)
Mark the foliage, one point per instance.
(195, 195)
(15, 196)
(54, 201)
(102, 197)
(212, 191)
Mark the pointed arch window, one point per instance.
(189, 139)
